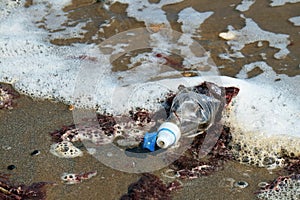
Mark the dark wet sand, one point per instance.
(27, 128)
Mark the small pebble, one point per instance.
(11, 167)
(35, 153)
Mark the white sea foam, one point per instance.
(273, 107)
(295, 20)
(150, 13)
(282, 2)
(31, 62)
(192, 19)
(40, 69)
(245, 5)
(238, 39)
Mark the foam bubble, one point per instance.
(72, 178)
(278, 93)
(265, 116)
(284, 187)
(65, 149)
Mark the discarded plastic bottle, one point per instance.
(191, 113)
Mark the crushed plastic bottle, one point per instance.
(191, 113)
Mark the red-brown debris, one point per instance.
(77, 178)
(292, 164)
(7, 96)
(150, 187)
(141, 116)
(190, 166)
(172, 62)
(9, 191)
(106, 124)
(85, 57)
(57, 135)
(230, 93)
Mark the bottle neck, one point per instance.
(186, 126)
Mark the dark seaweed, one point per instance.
(292, 164)
(189, 165)
(150, 187)
(9, 191)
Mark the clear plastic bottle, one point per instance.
(191, 113)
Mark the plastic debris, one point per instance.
(168, 134)
(191, 112)
(150, 141)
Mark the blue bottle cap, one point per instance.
(150, 141)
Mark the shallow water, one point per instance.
(26, 127)
(224, 14)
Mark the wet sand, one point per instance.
(26, 128)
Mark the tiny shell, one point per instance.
(228, 36)
(189, 74)
(71, 107)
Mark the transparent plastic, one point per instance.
(192, 112)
